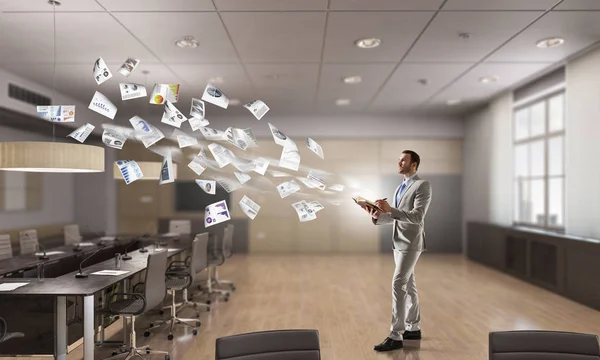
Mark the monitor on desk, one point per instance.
(190, 197)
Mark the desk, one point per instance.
(59, 288)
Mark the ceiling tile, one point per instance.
(158, 5)
(331, 86)
(470, 90)
(499, 5)
(271, 5)
(197, 77)
(397, 30)
(35, 6)
(385, 4)
(441, 41)
(276, 37)
(81, 38)
(215, 46)
(404, 90)
(579, 5)
(579, 28)
(284, 77)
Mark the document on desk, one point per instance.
(49, 253)
(85, 244)
(10, 286)
(110, 272)
(107, 238)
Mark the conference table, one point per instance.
(68, 285)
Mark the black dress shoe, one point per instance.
(389, 344)
(412, 335)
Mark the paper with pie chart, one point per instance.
(101, 71)
(164, 92)
(209, 186)
(213, 95)
(216, 213)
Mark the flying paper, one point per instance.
(258, 108)
(103, 106)
(128, 66)
(57, 113)
(215, 96)
(82, 132)
(216, 213)
(101, 71)
(130, 170)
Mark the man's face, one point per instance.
(404, 164)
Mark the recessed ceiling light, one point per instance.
(234, 102)
(342, 102)
(215, 80)
(352, 79)
(489, 79)
(54, 2)
(368, 43)
(550, 42)
(187, 42)
(453, 102)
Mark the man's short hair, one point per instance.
(414, 157)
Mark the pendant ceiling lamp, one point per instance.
(51, 157)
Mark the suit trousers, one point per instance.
(406, 314)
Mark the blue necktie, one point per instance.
(400, 193)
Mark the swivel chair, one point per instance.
(5, 335)
(139, 303)
(270, 345)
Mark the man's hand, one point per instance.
(384, 206)
(374, 213)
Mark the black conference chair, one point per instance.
(139, 303)
(5, 335)
(270, 345)
(542, 345)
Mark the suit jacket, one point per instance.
(408, 218)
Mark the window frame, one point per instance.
(529, 102)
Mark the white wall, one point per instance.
(349, 127)
(488, 155)
(582, 142)
(57, 204)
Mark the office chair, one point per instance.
(5, 335)
(72, 234)
(179, 277)
(269, 345)
(227, 252)
(542, 345)
(139, 303)
(5, 247)
(28, 241)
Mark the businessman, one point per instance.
(407, 216)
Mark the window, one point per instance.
(539, 133)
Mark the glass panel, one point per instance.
(537, 157)
(555, 156)
(523, 204)
(522, 160)
(556, 114)
(555, 202)
(522, 124)
(538, 200)
(538, 119)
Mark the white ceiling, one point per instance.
(293, 54)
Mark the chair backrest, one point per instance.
(183, 227)
(72, 234)
(542, 345)
(28, 241)
(228, 241)
(5, 247)
(268, 345)
(199, 254)
(155, 288)
(3, 329)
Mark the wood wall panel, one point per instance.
(357, 164)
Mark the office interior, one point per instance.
(498, 97)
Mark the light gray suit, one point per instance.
(408, 219)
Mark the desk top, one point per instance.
(69, 285)
(30, 261)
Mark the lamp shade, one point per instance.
(52, 157)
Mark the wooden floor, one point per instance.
(348, 299)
